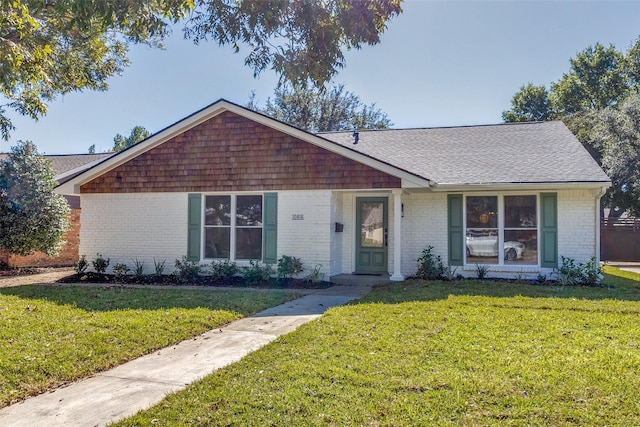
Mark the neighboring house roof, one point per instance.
(539, 152)
(67, 166)
(535, 154)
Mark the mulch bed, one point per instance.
(173, 280)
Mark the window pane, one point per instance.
(482, 246)
(249, 210)
(217, 210)
(520, 212)
(249, 243)
(372, 231)
(521, 247)
(482, 212)
(216, 242)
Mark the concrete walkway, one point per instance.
(112, 395)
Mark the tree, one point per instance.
(301, 40)
(319, 110)
(529, 104)
(137, 134)
(32, 217)
(50, 48)
(618, 133)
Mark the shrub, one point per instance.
(223, 271)
(158, 267)
(120, 269)
(187, 271)
(316, 275)
(100, 264)
(138, 268)
(430, 267)
(289, 266)
(81, 265)
(571, 273)
(256, 273)
(592, 273)
(482, 271)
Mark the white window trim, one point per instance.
(232, 227)
(501, 266)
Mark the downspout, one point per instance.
(599, 195)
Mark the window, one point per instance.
(233, 227)
(501, 230)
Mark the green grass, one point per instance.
(438, 353)
(51, 335)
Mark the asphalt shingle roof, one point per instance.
(540, 152)
(62, 163)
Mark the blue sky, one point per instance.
(439, 64)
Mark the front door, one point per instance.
(371, 237)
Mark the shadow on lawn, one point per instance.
(614, 287)
(118, 298)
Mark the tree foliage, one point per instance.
(529, 104)
(618, 134)
(32, 217)
(301, 40)
(598, 101)
(319, 110)
(50, 48)
(138, 133)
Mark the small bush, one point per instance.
(187, 271)
(316, 276)
(571, 273)
(482, 271)
(256, 273)
(120, 269)
(100, 264)
(592, 273)
(81, 265)
(430, 267)
(138, 268)
(223, 271)
(158, 267)
(288, 266)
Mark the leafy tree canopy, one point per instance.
(319, 110)
(32, 217)
(50, 48)
(617, 132)
(137, 134)
(530, 104)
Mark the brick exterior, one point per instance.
(232, 153)
(67, 256)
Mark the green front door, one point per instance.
(371, 235)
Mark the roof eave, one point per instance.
(520, 186)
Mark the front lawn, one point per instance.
(437, 353)
(51, 335)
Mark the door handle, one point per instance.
(386, 237)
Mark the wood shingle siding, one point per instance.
(231, 153)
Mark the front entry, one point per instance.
(371, 237)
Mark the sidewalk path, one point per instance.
(112, 395)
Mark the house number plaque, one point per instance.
(297, 217)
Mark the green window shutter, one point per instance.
(549, 229)
(455, 229)
(270, 229)
(194, 227)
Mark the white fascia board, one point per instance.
(72, 186)
(542, 186)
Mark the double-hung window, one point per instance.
(502, 230)
(233, 227)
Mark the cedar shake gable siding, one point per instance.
(232, 153)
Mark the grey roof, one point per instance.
(537, 152)
(62, 163)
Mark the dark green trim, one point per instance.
(549, 230)
(194, 228)
(270, 229)
(455, 229)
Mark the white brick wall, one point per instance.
(310, 238)
(577, 224)
(140, 226)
